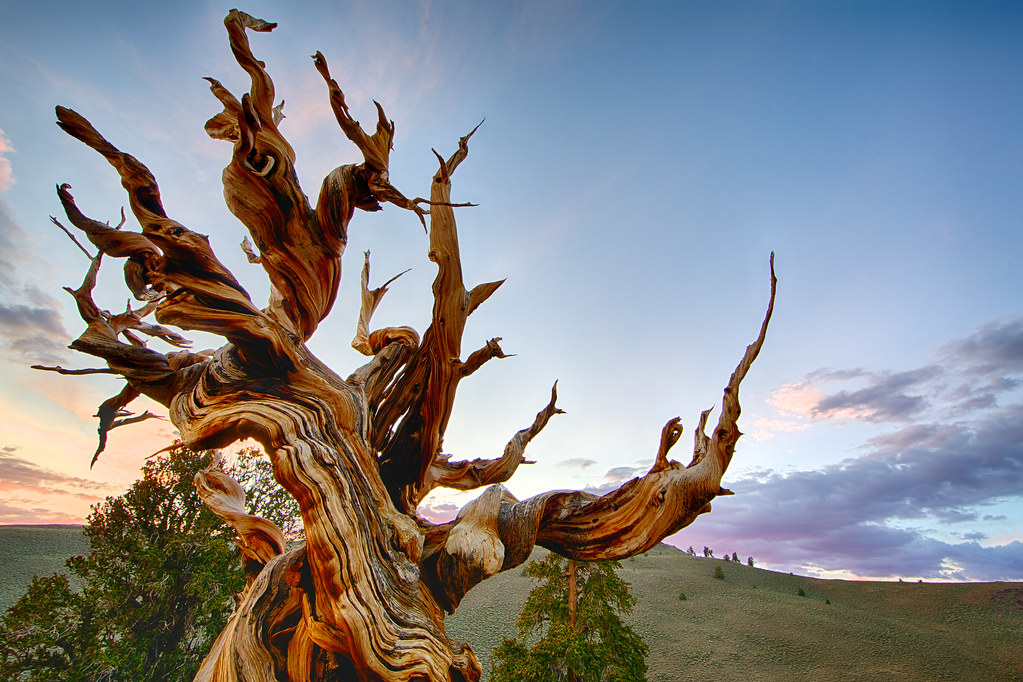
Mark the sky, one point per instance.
(636, 166)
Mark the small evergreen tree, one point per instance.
(749, 562)
(590, 645)
(155, 589)
(735, 557)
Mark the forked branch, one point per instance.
(483, 472)
(409, 425)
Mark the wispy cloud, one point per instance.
(995, 348)
(17, 472)
(888, 396)
(30, 324)
(968, 375)
(22, 511)
(577, 463)
(615, 477)
(32, 333)
(6, 172)
(765, 429)
(35, 494)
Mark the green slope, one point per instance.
(753, 625)
(750, 626)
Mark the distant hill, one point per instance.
(752, 625)
(34, 550)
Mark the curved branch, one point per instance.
(582, 526)
(262, 87)
(144, 264)
(480, 357)
(368, 183)
(645, 510)
(483, 472)
(149, 370)
(259, 539)
(132, 319)
(300, 255)
(112, 414)
(201, 293)
(365, 342)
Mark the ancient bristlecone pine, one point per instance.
(365, 597)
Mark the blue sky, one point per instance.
(637, 164)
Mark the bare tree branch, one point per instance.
(75, 372)
(483, 472)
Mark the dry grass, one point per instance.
(753, 625)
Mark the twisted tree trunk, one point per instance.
(365, 597)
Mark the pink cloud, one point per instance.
(6, 173)
(32, 512)
(438, 512)
(765, 429)
(798, 399)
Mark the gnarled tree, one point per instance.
(365, 597)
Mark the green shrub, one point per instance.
(802, 592)
(682, 596)
(718, 573)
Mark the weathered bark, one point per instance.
(573, 597)
(365, 597)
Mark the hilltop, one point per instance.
(753, 624)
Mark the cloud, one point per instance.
(13, 240)
(797, 399)
(970, 375)
(843, 516)
(438, 512)
(765, 429)
(888, 396)
(20, 511)
(994, 348)
(33, 333)
(577, 463)
(19, 473)
(953, 450)
(20, 320)
(615, 477)
(30, 324)
(6, 173)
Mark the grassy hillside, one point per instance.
(751, 625)
(754, 625)
(34, 550)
